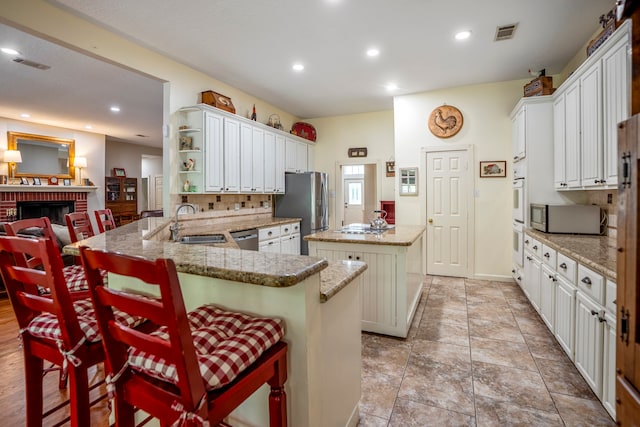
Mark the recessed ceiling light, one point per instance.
(10, 51)
(88, 127)
(462, 35)
(298, 67)
(391, 86)
(25, 115)
(373, 52)
(115, 109)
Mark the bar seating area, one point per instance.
(191, 368)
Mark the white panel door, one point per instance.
(353, 201)
(591, 126)
(559, 158)
(214, 153)
(572, 135)
(257, 160)
(589, 342)
(609, 366)
(280, 163)
(447, 213)
(231, 155)
(246, 158)
(566, 316)
(548, 283)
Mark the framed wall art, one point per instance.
(66, 182)
(391, 168)
(493, 169)
(119, 172)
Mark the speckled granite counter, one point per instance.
(266, 269)
(338, 275)
(592, 251)
(401, 235)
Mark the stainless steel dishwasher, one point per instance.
(246, 239)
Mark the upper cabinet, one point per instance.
(587, 108)
(221, 152)
(518, 128)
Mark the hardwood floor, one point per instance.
(12, 397)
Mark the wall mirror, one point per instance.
(408, 181)
(43, 156)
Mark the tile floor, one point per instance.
(477, 355)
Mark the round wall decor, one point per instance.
(445, 121)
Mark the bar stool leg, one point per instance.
(79, 402)
(277, 396)
(33, 383)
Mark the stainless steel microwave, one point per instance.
(569, 219)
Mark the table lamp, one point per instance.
(12, 157)
(79, 163)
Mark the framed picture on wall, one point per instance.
(493, 169)
(119, 172)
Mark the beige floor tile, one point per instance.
(379, 394)
(532, 325)
(385, 355)
(545, 347)
(442, 353)
(504, 353)
(444, 331)
(491, 413)
(581, 412)
(443, 280)
(367, 420)
(487, 312)
(494, 330)
(412, 414)
(561, 376)
(440, 385)
(516, 386)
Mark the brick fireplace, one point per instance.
(61, 201)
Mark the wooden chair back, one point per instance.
(16, 227)
(105, 220)
(178, 351)
(79, 225)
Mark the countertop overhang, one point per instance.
(401, 235)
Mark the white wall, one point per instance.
(89, 145)
(487, 126)
(337, 134)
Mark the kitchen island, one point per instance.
(318, 300)
(393, 282)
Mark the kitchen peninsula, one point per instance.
(392, 283)
(318, 300)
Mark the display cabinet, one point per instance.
(121, 196)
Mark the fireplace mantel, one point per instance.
(47, 188)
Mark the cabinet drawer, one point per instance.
(610, 296)
(549, 256)
(269, 233)
(533, 245)
(567, 267)
(591, 283)
(287, 229)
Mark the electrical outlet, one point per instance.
(609, 198)
(210, 205)
(236, 206)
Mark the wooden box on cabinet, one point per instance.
(121, 196)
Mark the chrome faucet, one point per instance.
(175, 227)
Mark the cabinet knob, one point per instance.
(430, 221)
(563, 266)
(535, 247)
(586, 281)
(358, 258)
(546, 255)
(526, 242)
(513, 271)
(593, 312)
(350, 257)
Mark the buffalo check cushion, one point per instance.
(46, 324)
(75, 279)
(226, 343)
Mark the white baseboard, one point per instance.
(493, 277)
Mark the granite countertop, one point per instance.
(401, 235)
(591, 251)
(145, 238)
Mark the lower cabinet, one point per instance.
(532, 279)
(281, 239)
(548, 283)
(609, 365)
(565, 324)
(589, 337)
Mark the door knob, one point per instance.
(430, 220)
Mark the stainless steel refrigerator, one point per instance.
(305, 197)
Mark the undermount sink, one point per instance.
(203, 240)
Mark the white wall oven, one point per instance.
(518, 200)
(518, 244)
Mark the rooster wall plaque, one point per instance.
(445, 121)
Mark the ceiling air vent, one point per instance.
(31, 63)
(505, 32)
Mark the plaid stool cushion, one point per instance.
(226, 343)
(46, 324)
(75, 279)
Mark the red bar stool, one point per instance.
(56, 327)
(79, 226)
(73, 274)
(104, 218)
(198, 366)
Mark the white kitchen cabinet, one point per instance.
(559, 149)
(565, 319)
(518, 137)
(591, 126)
(608, 397)
(548, 284)
(616, 81)
(269, 239)
(572, 136)
(270, 162)
(290, 238)
(280, 164)
(532, 270)
(231, 155)
(251, 159)
(589, 338)
(296, 156)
